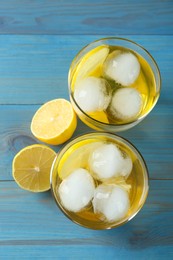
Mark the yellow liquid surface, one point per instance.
(77, 156)
(145, 82)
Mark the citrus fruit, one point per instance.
(90, 64)
(99, 116)
(81, 151)
(31, 167)
(54, 122)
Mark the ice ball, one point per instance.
(77, 190)
(112, 201)
(126, 103)
(92, 94)
(107, 161)
(123, 67)
(126, 165)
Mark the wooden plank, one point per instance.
(15, 134)
(34, 69)
(71, 252)
(32, 225)
(153, 138)
(86, 17)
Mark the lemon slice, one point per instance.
(100, 116)
(76, 157)
(31, 167)
(54, 122)
(91, 64)
(121, 181)
(141, 85)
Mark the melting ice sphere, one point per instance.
(92, 94)
(112, 201)
(126, 103)
(107, 161)
(77, 190)
(123, 67)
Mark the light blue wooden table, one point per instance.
(38, 40)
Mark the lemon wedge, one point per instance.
(99, 116)
(90, 64)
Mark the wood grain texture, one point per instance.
(152, 138)
(86, 17)
(15, 134)
(39, 228)
(38, 40)
(34, 69)
(78, 252)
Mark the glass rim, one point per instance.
(116, 137)
(125, 40)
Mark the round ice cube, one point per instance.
(126, 103)
(112, 201)
(107, 161)
(123, 67)
(126, 166)
(77, 190)
(92, 94)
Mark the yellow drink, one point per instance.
(91, 63)
(77, 156)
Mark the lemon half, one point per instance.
(31, 167)
(54, 122)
